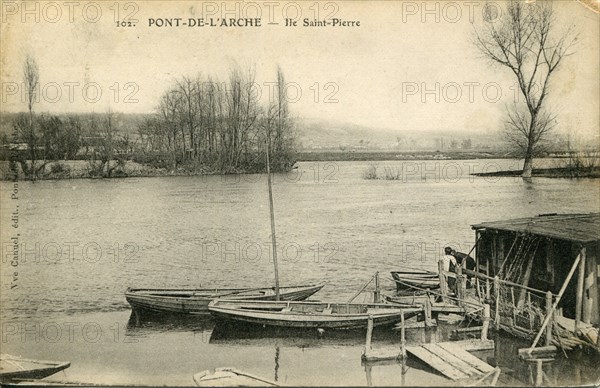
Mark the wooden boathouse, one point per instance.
(541, 275)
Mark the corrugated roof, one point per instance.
(584, 228)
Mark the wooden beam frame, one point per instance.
(580, 285)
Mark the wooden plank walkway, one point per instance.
(394, 352)
(453, 361)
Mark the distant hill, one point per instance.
(317, 134)
(124, 122)
(321, 134)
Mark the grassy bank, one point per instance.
(82, 169)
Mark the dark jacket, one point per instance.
(460, 257)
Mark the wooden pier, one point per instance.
(451, 359)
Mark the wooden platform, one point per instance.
(394, 352)
(451, 359)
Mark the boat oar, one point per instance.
(361, 290)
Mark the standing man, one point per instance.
(449, 266)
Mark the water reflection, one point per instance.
(575, 367)
(578, 367)
(147, 323)
(404, 364)
(251, 334)
(277, 363)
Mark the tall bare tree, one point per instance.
(282, 138)
(189, 110)
(31, 77)
(104, 140)
(526, 40)
(221, 124)
(167, 110)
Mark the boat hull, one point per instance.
(16, 368)
(309, 315)
(409, 281)
(230, 377)
(195, 301)
(408, 300)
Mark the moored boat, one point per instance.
(230, 377)
(308, 314)
(415, 299)
(195, 301)
(410, 279)
(14, 368)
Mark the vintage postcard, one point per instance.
(301, 193)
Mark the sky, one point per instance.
(409, 65)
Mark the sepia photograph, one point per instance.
(300, 193)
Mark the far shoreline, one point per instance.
(76, 169)
(557, 172)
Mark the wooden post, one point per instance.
(579, 297)
(459, 285)
(443, 283)
(590, 306)
(486, 322)
(539, 373)
(496, 376)
(497, 296)
(369, 334)
(477, 290)
(376, 294)
(368, 373)
(404, 370)
(402, 336)
(548, 311)
(427, 311)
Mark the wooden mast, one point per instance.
(272, 214)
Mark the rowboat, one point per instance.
(230, 377)
(414, 299)
(13, 368)
(308, 314)
(195, 300)
(412, 278)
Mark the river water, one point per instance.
(83, 242)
